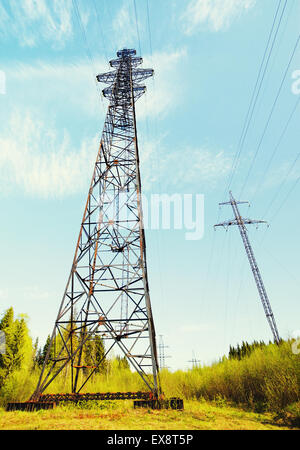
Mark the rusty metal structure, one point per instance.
(241, 223)
(107, 292)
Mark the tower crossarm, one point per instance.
(229, 223)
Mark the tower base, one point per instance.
(29, 406)
(171, 403)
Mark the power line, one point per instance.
(278, 144)
(100, 28)
(89, 55)
(270, 115)
(149, 27)
(287, 196)
(255, 94)
(137, 26)
(87, 49)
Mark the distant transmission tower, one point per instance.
(107, 293)
(194, 361)
(161, 352)
(241, 223)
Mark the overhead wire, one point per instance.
(276, 148)
(137, 26)
(149, 27)
(255, 94)
(100, 28)
(271, 114)
(87, 49)
(288, 194)
(259, 82)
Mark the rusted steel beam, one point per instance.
(76, 397)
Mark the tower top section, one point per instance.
(126, 52)
(124, 81)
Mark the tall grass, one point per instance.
(267, 379)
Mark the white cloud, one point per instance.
(216, 15)
(201, 166)
(125, 28)
(33, 21)
(65, 88)
(182, 167)
(63, 82)
(166, 91)
(35, 160)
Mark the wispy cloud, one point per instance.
(166, 91)
(63, 81)
(124, 27)
(36, 160)
(183, 167)
(57, 84)
(34, 21)
(214, 15)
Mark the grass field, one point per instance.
(122, 416)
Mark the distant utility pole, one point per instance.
(241, 223)
(161, 352)
(194, 361)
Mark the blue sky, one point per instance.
(206, 55)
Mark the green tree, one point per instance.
(18, 351)
(41, 354)
(122, 362)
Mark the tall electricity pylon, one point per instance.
(241, 223)
(107, 293)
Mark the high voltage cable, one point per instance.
(75, 5)
(100, 28)
(88, 52)
(278, 145)
(256, 91)
(256, 94)
(270, 115)
(137, 26)
(287, 196)
(149, 28)
(283, 182)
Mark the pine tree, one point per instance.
(18, 349)
(99, 355)
(42, 353)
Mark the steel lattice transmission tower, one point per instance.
(241, 223)
(107, 293)
(161, 352)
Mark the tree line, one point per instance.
(245, 349)
(20, 352)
